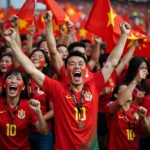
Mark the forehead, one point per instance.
(15, 74)
(62, 48)
(37, 53)
(143, 64)
(75, 59)
(6, 57)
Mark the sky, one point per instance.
(17, 4)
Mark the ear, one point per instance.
(45, 64)
(116, 95)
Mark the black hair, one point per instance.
(103, 59)
(41, 41)
(48, 70)
(24, 93)
(23, 37)
(76, 44)
(3, 49)
(86, 41)
(75, 53)
(132, 71)
(103, 46)
(59, 45)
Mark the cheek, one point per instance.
(20, 85)
(83, 72)
(42, 61)
(69, 70)
(6, 83)
(9, 66)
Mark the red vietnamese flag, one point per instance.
(40, 21)
(2, 13)
(24, 26)
(104, 22)
(27, 10)
(84, 34)
(73, 13)
(11, 11)
(59, 15)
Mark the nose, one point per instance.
(13, 80)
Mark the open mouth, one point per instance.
(77, 75)
(3, 67)
(12, 89)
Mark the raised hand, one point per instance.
(48, 16)
(142, 73)
(125, 27)
(70, 26)
(14, 20)
(62, 29)
(98, 39)
(35, 106)
(32, 29)
(142, 112)
(9, 35)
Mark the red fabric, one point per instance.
(73, 13)
(1, 83)
(111, 83)
(9, 139)
(103, 18)
(118, 129)
(66, 116)
(27, 10)
(58, 13)
(2, 13)
(44, 100)
(63, 78)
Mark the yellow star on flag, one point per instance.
(1, 15)
(71, 11)
(83, 32)
(22, 24)
(67, 18)
(111, 17)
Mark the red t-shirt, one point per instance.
(63, 78)
(44, 100)
(15, 134)
(1, 83)
(67, 118)
(111, 83)
(120, 136)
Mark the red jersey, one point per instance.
(69, 135)
(15, 133)
(44, 100)
(111, 83)
(121, 137)
(63, 78)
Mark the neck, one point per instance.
(12, 101)
(76, 88)
(126, 106)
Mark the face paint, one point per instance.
(69, 73)
(41, 62)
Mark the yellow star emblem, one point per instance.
(111, 17)
(1, 15)
(71, 11)
(83, 32)
(66, 18)
(42, 19)
(22, 24)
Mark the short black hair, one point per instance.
(39, 43)
(59, 45)
(86, 41)
(103, 58)
(3, 49)
(103, 46)
(76, 44)
(24, 93)
(75, 53)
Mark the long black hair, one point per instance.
(24, 93)
(48, 70)
(134, 64)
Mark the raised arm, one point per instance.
(14, 21)
(55, 57)
(24, 61)
(125, 95)
(30, 38)
(67, 38)
(62, 34)
(126, 58)
(95, 53)
(41, 125)
(115, 55)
